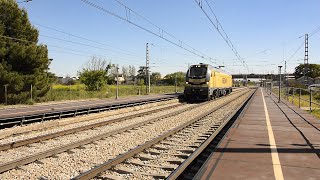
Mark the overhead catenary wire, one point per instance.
(74, 51)
(80, 43)
(222, 33)
(81, 37)
(161, 33)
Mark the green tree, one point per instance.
(155, 77)
(23, 62)
(95, 74)
(170, 78)
(313, 70)
(142, 74)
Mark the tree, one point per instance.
(95, 74)
(142, 73)
(125, 73)
(23, 62)
(313, 70)
(132, 73)
(155, 77)
(170, 78)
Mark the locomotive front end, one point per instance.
(197, 80)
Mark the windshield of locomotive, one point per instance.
(198, 72)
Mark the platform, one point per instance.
(78, 105)
(271, 141)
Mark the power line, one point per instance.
(222, 33)
(295, 52)
(25, 1)
(314, 32)
(79, 43)
(161, 33)
(64, 48)
(81, 37)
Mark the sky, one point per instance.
(265, 33)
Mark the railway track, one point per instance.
(39, 113)
(157, 158)
(15, 144)
(48, 156)
(33, 128)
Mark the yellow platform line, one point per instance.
(274, 153)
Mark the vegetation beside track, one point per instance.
(304, 102)
(60, 92)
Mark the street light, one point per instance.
(279, 83)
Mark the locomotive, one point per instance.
(205, 82)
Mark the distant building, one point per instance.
(120, 78)
(301, 81)
(317, 80)
(67, 80)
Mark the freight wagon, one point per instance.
(204, 82)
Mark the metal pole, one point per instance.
(279, 84)
(147, 66)
(299, 97)
(310, 100)
(292, 95)
(288, 94)
(117, 92)
(6, 94)
(69, 91)
(175, 82)
(284, 80)
(31, 92)
(149, 80)
(306, 59)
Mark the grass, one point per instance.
(316, 113)
(304, 102)
(77, 92)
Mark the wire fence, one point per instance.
(304, 98)
(78, 92)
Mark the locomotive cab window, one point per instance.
(198, 71)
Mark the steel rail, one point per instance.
(179, 170)
(23, 142)
(107, 165)
(77, 110)
(25, 160)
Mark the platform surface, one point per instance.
(284, 146)
(64, 106)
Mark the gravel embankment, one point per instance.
(174, 144)
(16, 153)
(78, 121)
(56, 123)
(69, 164)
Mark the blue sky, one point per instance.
(272, 26)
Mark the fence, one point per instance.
(307, 99)
(78, 91)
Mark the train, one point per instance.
(205, 82)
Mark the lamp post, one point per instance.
(279, 83)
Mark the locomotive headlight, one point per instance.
(207, 82)
(187, 82)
